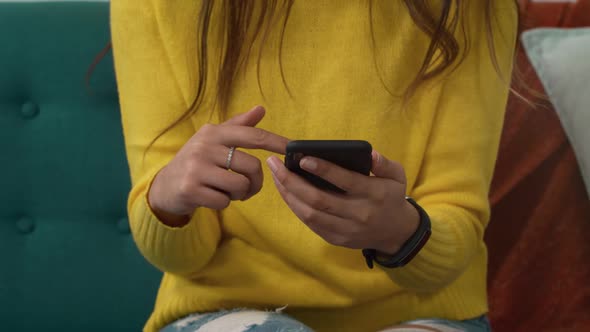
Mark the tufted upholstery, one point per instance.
(67, 259)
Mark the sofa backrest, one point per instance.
(538, 269)
(67, 259)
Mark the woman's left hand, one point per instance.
(372, 214)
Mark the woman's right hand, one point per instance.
(197, 175)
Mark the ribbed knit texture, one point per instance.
(257, 253)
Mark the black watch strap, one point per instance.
(410, 248)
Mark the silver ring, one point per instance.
(230, 155)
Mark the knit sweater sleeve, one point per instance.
(151, 99)
(458, 164)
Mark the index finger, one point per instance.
(252, 138)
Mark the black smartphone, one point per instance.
(353, 155)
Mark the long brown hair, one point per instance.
(243, 22)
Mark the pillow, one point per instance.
(561, 58)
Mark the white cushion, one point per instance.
(561, 58)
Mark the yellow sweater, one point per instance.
(257, 253)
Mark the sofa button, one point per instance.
(29, 110)
(25, 225)
(123, 226)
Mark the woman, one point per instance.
(237, 235)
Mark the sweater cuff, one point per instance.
(178, 250)
(444, 257)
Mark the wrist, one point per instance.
(409, 249)
(167, 218)
(410, 220)
(162, 214)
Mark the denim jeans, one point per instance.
(244, 320)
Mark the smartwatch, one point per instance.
(409, 249)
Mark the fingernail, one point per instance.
(376, 157)
(308, 164)
(272, 164)
(274, 178)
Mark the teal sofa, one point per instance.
(67, 258)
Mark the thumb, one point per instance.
(385, 168)
(250, 118)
